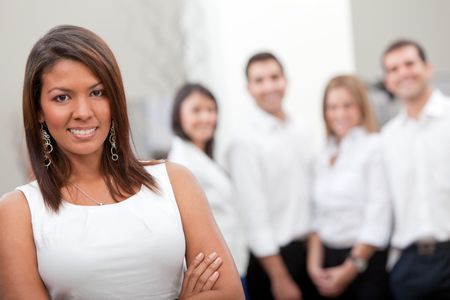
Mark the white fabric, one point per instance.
(351, 199)
(418, 162)
(133, 249)
(220, 194)
(269, 163)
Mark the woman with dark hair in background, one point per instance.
(97, 223)
(194, 122)
(352, 216)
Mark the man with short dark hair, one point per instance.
(268, 162)
(417, 152)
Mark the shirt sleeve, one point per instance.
(251, 201)
(377, 224)
(312, 173)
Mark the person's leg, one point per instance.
(294, 256)
(411, 279)
(373, 284)
(258, 282)
(440, 267)
(244, 287)
(333, 258)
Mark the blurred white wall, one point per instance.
(378, 23)
(312, 38)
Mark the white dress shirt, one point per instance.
(418, 163)
(268, 161)
(351, 199)
(220, 194)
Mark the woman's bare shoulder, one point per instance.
(13, 205)
(182, 179)
(176, 170)
(19, 271)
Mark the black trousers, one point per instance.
(373, 284)
(424, 276)
(294, 256)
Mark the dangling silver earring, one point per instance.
(112, 140)
(47, 146)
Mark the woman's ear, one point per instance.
(41, 117)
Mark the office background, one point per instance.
(160, 44)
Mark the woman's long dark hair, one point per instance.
(75, 43)
(183, 93)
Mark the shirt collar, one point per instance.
(188, 148)
(352, 136)
(266, 121)
(434, 107)
(184, 144)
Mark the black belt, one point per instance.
(428, 247)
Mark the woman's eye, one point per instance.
(195, 110)
(97, 93)
(61, 98)
(348, 105)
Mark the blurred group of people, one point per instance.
(367, 217)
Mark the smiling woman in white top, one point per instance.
(96, 223)
(352, 218)
(194, 121)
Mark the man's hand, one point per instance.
(284, 288)
(317, 275)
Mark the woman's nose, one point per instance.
(83, 109)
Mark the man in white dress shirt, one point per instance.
(268, 161)
(417, 152)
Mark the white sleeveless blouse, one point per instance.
(133, 249)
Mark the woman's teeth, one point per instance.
(82, 131)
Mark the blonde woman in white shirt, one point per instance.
(351, 208)
(194, 121)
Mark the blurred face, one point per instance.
(342, 113)
(406, 75)
(267, 85)
(75, 109)
(198, 115)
